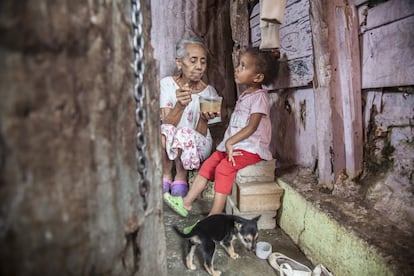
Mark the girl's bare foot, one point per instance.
(186, 205)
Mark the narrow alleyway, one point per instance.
(248, 264)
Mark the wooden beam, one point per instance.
(347, 87)
(240, 28)
(337, 86)
(321, 85)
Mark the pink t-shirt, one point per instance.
(259, 141)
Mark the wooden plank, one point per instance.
(357, 2)
(291, 2)
(295, 44)
(256, 10)
(388, 12)
(295, 30)
(294, 73)
(295, 39)
(239, 21)
(255, 35)
(256, 43)
(293, 115)
(388, 55)
(348, 96)
(296, 11)
(321, 85)
(254, 21)
(362, 17)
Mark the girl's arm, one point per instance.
(244, 133)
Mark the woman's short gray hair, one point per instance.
(180, 50)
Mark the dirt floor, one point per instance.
(248, 264)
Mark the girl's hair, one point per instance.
(265, 63)
(180, 50)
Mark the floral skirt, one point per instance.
(195, 147)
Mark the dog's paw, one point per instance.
(216, 273)
(234, 256)
(190, 265)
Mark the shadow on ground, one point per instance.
(248, 264)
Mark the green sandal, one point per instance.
(188, 229)
(175, 203)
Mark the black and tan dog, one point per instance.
(224, 229)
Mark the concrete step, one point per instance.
(263, 171)
(347, 243)
(257, 196)
(266, 221)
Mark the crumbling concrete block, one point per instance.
(263, 171)
(257, 196)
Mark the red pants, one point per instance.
(218, 168)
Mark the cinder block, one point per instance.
(257, 196)
(263, 171)
(266, 221)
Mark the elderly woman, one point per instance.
(185, 137)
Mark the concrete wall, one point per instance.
(389, 153)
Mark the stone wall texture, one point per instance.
(69, 188)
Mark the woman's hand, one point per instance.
(183, 95)
(202, 125)
(209, 115)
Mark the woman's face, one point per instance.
(194, 64)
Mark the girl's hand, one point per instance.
(231, 153)
(183, 95)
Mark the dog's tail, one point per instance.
(180, 233)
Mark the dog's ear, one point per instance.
(257, 218)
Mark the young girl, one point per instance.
(247, 138)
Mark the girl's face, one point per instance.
(194, 64)
(245, 73)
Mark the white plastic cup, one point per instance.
(263, 250)
(211, 104)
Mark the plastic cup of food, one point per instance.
(210, 104)
(263, 250)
